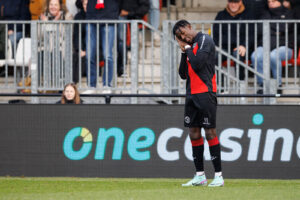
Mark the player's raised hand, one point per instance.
(181, 44)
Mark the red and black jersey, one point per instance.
(197, 65)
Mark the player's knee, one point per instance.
(194, 137)
(195, 133)
(210, 133)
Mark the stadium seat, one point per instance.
(224, 63)
(22, 58)
(23, 53)
(292, 60)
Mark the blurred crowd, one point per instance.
(51, 10)
(242, 42)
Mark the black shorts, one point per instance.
(200, 110)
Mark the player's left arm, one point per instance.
(205, 45)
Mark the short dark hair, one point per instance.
(180, 24)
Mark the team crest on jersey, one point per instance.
(187, 119)
(194, 44)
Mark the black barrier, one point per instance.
(108, 97)
(150, 95)
(144, 141)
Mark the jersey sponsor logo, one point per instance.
(194, 45)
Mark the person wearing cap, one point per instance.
(278, 51)
(237, 45)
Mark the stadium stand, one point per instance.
(151, 68)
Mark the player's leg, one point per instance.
(209, 105)
(215, 152)
(191, 120)
(198, 149)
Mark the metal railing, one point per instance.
(52, 60)
(254, 32)
(150, 62)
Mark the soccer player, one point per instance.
(197, 65)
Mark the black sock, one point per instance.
(215, 153)
(198, 157)
(198, 149)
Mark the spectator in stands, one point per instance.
(237, 44)
(296, 9)
(130, 9)
(81, 15)
(276, 11)
(72, 8)
(16, 10)
(70, 95)
(55, 10)
(36, 8)
(78, 4)
(256, 7)
(100, 10)
(294, 6)
(287, 4)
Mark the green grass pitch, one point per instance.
(140, 189)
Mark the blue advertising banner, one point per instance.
(145, 141)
